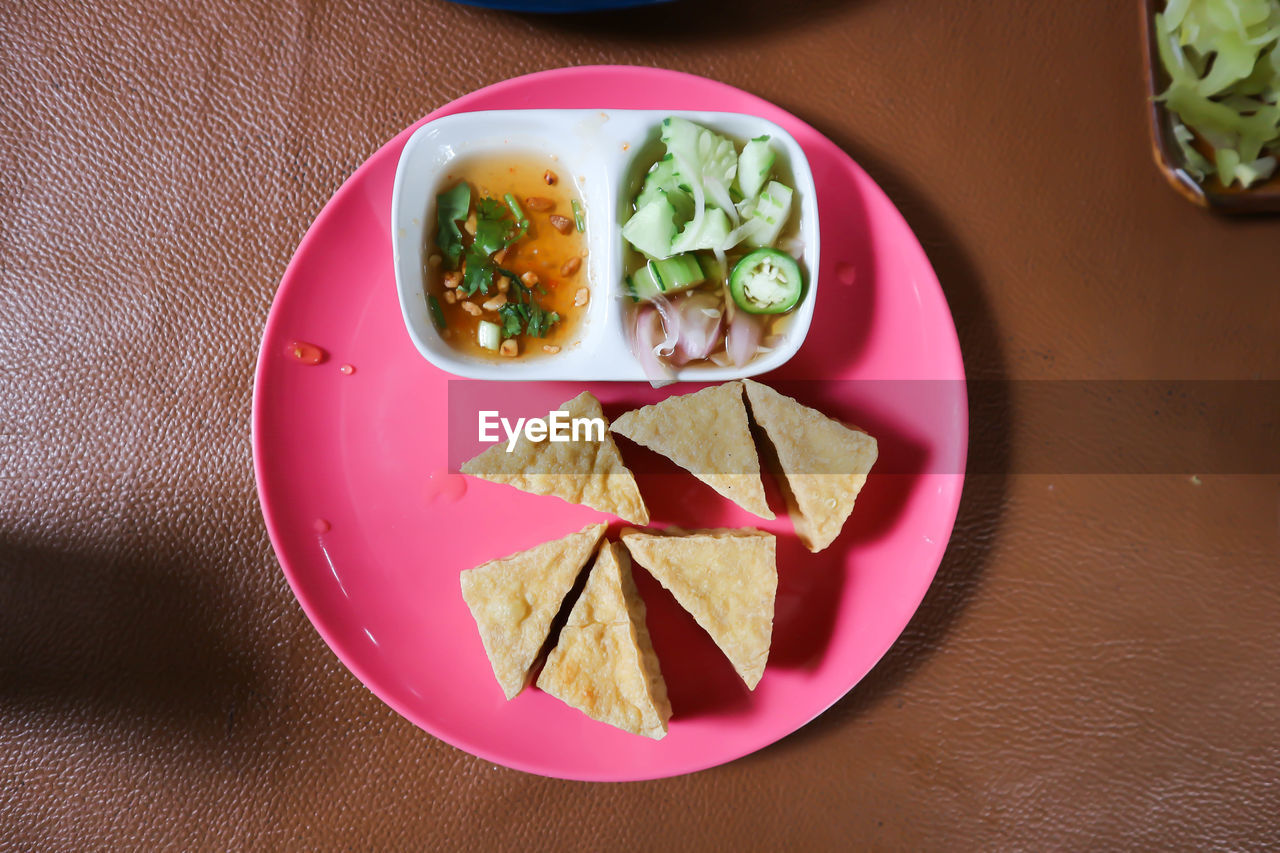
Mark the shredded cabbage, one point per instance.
(1223, 62)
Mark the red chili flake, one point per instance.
(305, 352)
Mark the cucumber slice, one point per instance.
(662, 176)
(680, 200)
(715, 270)
(664, 277)
(677, 273)
(652, 228)
(641, 284)
(769, 214)
(489, 335)
(709, 233)
(698, 152)
(766, 282)
(662, 180)
(754, 165)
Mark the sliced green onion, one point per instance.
(516, 210)
(437, 313)
(578, 218)
(488, 335)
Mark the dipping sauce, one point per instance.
(506, 257)
(305, 352)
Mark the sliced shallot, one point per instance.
(743, 338)
(670, 324)
(701, 328)
(644, 334)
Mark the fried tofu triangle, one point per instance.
(706, 433)
(584, 471)
(604, 664)
(515, 599)
(726, 579)
(823, 463)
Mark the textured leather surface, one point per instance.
(1096, 665)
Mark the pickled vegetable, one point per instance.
(1223, 62)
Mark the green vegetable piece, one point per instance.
(699, 153)
(487, 335)
(1222, 57)
(652, 228)
(540, 320)
(641, 285)
(491, 235)
(1234, 63)
(714, 270)
(1197, 166)
(478, 273)
(662, 181)
(579, 220)
(1257, 170)
(708, 233)
(677, 273)
(436, 312)
(490, 208)
(754, 165)
(1227, 161)
(451, 207)
(770, 214)
(766, 281)
(513, 317)
(664, 277)
(516, 210)
(529, 317)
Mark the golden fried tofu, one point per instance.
(514, 600)
(707, 434)
(823, 463)
(604, 664)
(726, 579)
(584, 471)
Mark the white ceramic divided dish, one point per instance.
(602, 152)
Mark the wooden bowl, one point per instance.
(1260, 198)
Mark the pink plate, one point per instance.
(371, 529)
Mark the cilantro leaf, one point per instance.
(494, 231)
(451, 206)
(541, 320)
(490, 208)
(491, 235)
(478, 272)
(512, 319)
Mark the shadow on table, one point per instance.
(684, 21)
(981, 504)
(128, 641)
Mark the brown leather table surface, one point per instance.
(1096, 665)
